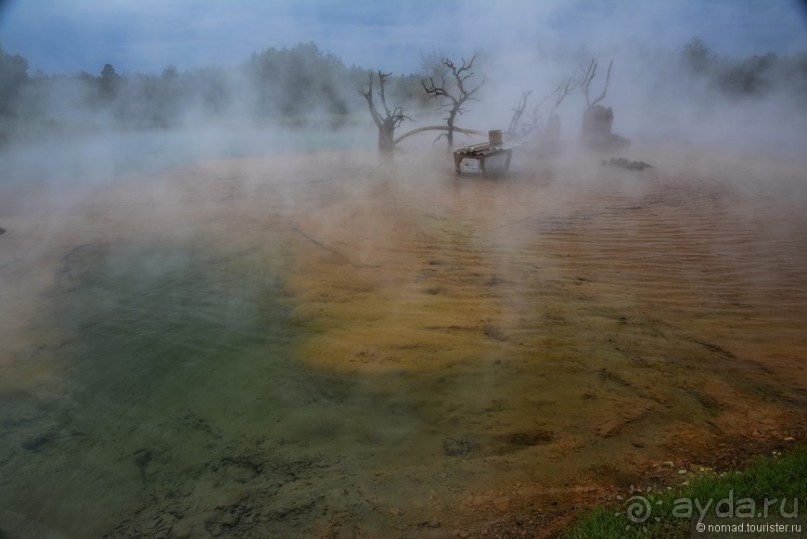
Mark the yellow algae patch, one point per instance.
(383, 293)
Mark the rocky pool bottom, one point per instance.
(318, 346)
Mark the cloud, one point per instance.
(145, 35)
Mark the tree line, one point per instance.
(301, 83)
(759, 75)
(288, 84)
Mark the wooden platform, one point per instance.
(486, 154)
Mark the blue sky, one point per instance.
(67, 36)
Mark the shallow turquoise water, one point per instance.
(156, 345)
(184, 411)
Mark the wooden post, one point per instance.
(457, 163)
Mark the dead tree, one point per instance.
(551, 131)
(518, 112)
(564, 89)
(391, 118)
(598, 120)
(454, 91)
(588, 75)
(552, 128)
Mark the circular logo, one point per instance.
(638, 509)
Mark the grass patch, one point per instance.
(743, 493)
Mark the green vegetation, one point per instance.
(755, 76)
(743, 493)
(274, 85)
(294, 84)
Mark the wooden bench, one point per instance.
(493, 156)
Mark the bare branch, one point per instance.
(588, 75)
(391, 119)
(518, 111)
(368, 95)
(382, 78)
(398, 117)
(536, 117)
(566, 88)
(437, 128)
(456, 96)
(586, 78)
(435, 91)
(605, 87)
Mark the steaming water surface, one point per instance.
(100, 155)
(316, 345)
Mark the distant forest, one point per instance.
(755, 76)
(291, 86)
